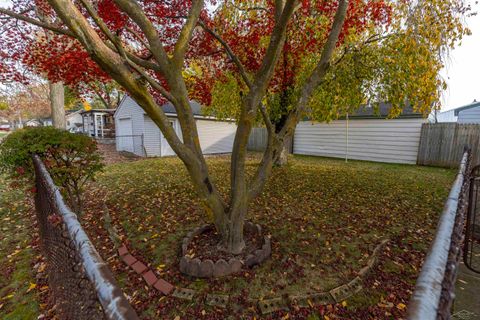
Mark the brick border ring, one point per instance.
(207, 268)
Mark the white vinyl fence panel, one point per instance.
(216, 136)
(382, 140)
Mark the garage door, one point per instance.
(125, 135)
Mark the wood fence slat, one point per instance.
(442, 144)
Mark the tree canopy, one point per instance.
(387, 52)
(243, 58)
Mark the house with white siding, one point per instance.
(136, 132)
(74, 121)
(368, 134)
(469, 113)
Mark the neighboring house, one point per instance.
(469, 113)
(98, 123)
(74, 121)
(365, 135)
(137, 133)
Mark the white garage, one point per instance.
(366, 135)
(138, 134)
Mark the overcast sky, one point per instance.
(463, 66)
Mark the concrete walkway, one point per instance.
(467, 290)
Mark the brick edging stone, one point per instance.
(207, 268)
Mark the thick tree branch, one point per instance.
(318, 74)
(104, 28)
(186, 34)
(275, 46)
(239, 191)
(264, 168)
(35, 22)
(275, 142)
(135, 12)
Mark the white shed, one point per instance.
(137, 133)
(363, 136)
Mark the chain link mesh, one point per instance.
(435, 288)
(455, 251)
(67, 249)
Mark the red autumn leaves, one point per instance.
(58, 57)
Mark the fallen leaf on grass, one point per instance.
(401, 306)
(31, 287)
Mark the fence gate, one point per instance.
(471, 252)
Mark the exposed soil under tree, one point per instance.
(207, 245)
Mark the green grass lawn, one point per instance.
(325, 217)
(18, 296)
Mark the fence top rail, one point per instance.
(426, 297)
(112, 299)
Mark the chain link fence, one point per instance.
(82, 285)
(435, 288)
(131, 143)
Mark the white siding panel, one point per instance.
(128, 108)
(216, 136)
(151, 138)
(446, 116)
(383, 140)
(469, 115)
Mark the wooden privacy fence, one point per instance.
(442, 144)
(257, 141)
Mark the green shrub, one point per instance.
(71, 159)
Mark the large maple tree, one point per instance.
(175, 50)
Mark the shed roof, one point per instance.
(196, 108)
(111, 111)
(169, 109)
(382, 111)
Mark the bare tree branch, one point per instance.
(254, 8)
(138, 37)
(155, 84)
(230, 53)
(38, 23)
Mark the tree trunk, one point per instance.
(234, 242)
(57, 104)
(281, 157)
